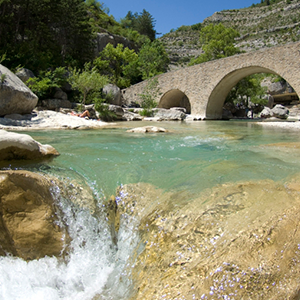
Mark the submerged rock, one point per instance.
(235, 240)
(147, 129)
(28, 217)
(22, 146)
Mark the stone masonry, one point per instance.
(205, 86)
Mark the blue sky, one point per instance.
(171, 14)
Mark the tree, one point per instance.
(112, 61)
(39, 34)
(150, 92)
(248, 89)
(152, 59)
(87, 80)
(217, 42)
(143, 23)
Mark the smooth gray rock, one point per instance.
(266, 113)
(25, 74)
(115, 92)
(22, 146)
(60, 94)
(15, 96)
(169, 115)
(56, 104)
(281, 112)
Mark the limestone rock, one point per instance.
(147, 129)
(60, 94)
(22, 146)
(15, 96)
(105, 38)
(169, 115)
(281, 112)
(56, 104)
(24, 74)
(130, 116)
(28, 226)
(115, 92)
(266, 112)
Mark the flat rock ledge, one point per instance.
(22, 146)
(147, 129)
(49, 120)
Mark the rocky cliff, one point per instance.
(259, 27)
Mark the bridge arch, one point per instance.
(206, 85)
(217, 97)
(175, 98)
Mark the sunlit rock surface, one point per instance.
(22, 146)
(29, 218)
(235, 241)
(147, 129)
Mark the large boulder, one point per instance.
(169, 114)
(15, 96)
(281, 112)
(24, 74)
(113, 93)
(22, 146)
(28, 217)
(56, 104)
(147, 129)
(105, 38)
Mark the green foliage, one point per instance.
(103, 110)
(2, 78)
(87, 80)
(218, 42)
(2, 57)
(39, 34)
(152, 59)
(149, 96)
(115, 62)
(248, 89)
(44, 84)
(143, 23)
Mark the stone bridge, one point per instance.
(202, 88)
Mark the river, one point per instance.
(195, 191)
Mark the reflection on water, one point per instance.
(206, 211)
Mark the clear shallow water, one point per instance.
(191, 157)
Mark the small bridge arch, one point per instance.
(206, 85)
(175, 98)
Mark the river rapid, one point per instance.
(208, 210)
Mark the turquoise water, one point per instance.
(190, 156)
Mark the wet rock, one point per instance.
(234, 239)
(22, 146)
(28, 218)
(147, 129)
(15, 96)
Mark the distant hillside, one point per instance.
(262, 25)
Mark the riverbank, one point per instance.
(39, 120)
(51, 120)
(282, 124)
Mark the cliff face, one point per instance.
(259, 27)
